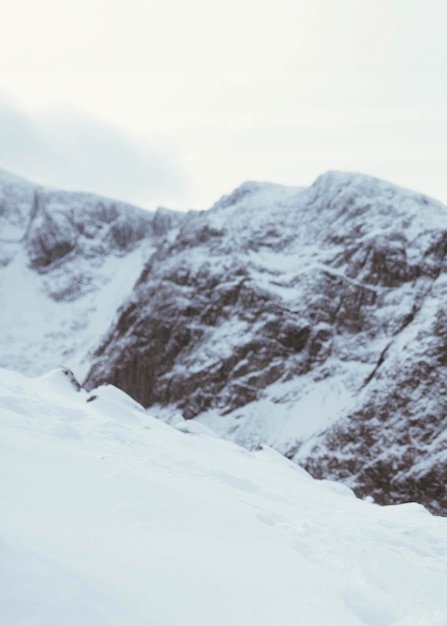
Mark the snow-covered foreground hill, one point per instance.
(110, 517)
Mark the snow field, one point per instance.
(110, 517)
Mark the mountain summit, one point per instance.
(312, 319)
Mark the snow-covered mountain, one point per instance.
(67, 262)
(111, 517)
(311, 319)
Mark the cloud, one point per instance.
(74, 151)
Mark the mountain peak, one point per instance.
(311, 319)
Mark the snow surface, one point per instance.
(40, 333)
(110, 517)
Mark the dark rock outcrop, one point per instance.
(393, 444)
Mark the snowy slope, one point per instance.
(67, 262)
(111, 517)
(41, 332)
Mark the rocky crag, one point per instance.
(309, 319)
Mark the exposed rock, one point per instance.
(393, 443)
(309, 319)
(276, 292)
(61, 223)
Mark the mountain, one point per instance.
(310, 319)
(111, 517)
(67, 262)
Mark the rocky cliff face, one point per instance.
(392, 443)
(310, 319)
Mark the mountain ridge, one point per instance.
(310, 319)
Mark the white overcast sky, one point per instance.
(177, 102)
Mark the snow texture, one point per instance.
(111, 517)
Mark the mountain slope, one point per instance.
(310, 319)
(114, 518)
(392, 444)
(294, 317)
(67, 262)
